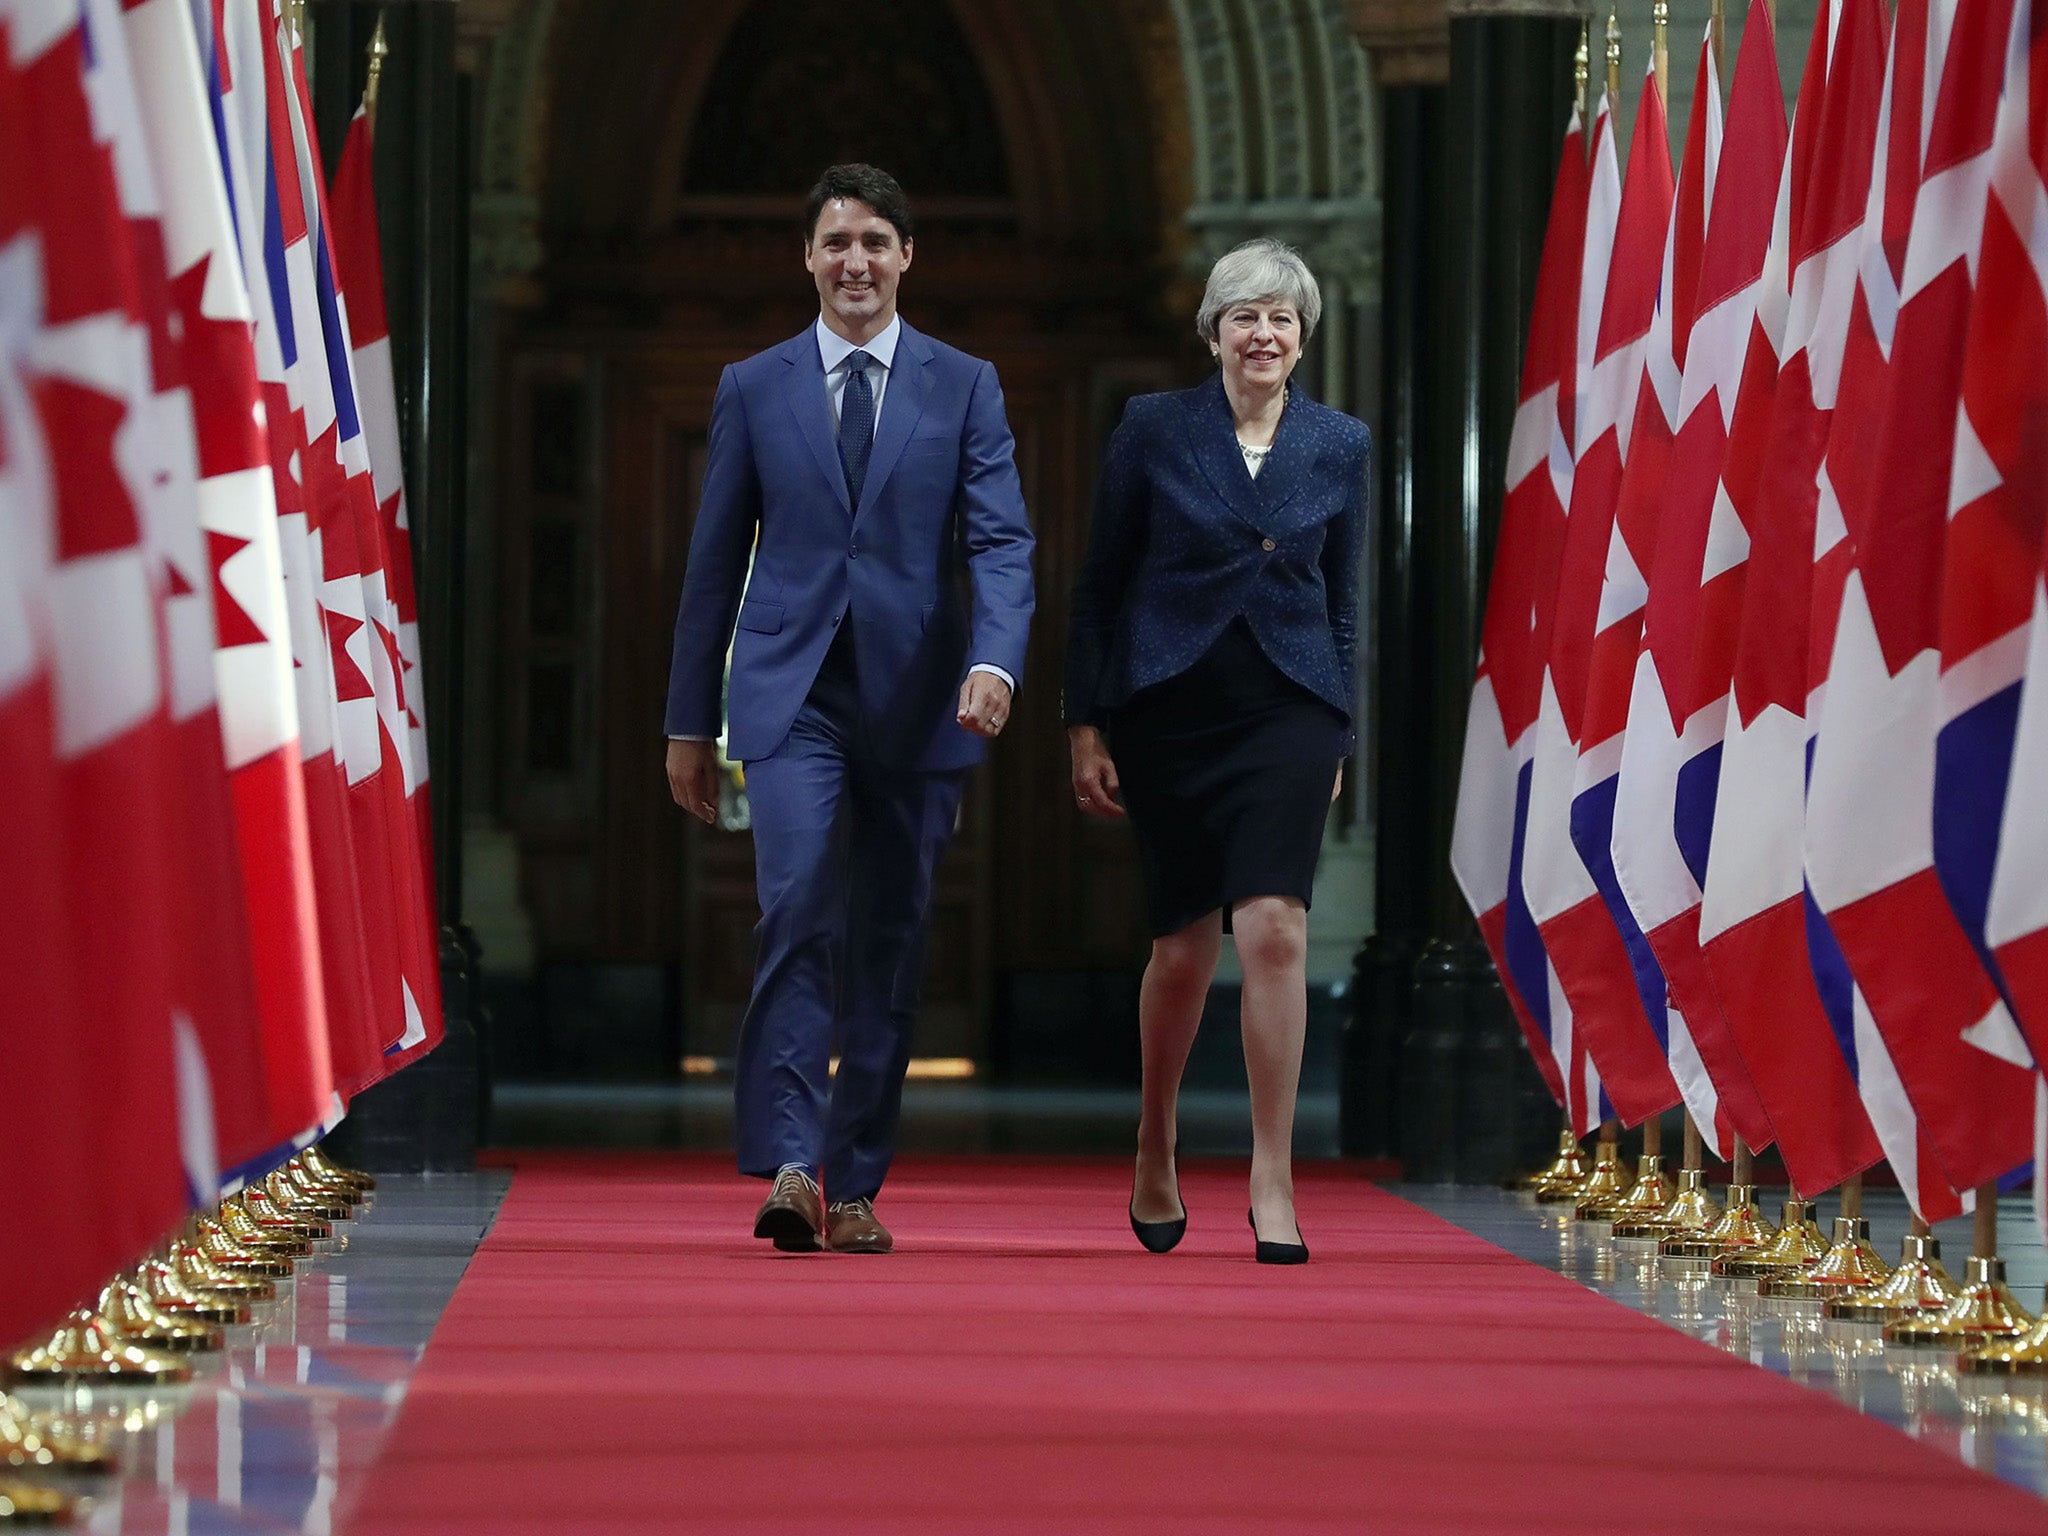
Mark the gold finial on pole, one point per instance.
(1583, 65)
(1660, 19)
(1717, 27)
(1613, 62)
(379, 51)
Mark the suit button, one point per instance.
(1266, 544)
(853, 553)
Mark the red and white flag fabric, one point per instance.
(1844, 486)
(359, 267)
(1870, 811)
(1493, 784)
(1753, 913)
(248, 84)
(1621, 266)
(1630, 551)
(2005, 391)
(374, 734)
(1670, 753)
(237, 513)
(1997, 497)
(98, 1172)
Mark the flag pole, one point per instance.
(1582, 70)
(1717, 29)
(1613, 59)
(1984, 1312)
(381, 50)
(1660, 60)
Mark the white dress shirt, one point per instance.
(833, 351)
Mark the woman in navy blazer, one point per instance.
(1209, 696)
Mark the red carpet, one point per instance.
(622, 1357)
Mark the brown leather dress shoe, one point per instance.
(793, 1214)
(851, 1227)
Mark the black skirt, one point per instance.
(1226, 773)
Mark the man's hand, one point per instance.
(984, 704)
(1337, 788)
(693, 778)
(1095, 780)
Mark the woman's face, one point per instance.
(1258, 343)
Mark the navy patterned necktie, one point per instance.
(856, 424)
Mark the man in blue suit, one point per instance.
(864, 468)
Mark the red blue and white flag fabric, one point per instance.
(1844, 487)
(244, 90)
(1753, 912)
(375, 735)
(1619, 625)
(2005, 392)
(1493, 784)
(1670, 756)
(359, 266)
(1997, 496)
(97, 1174)
(1625, 229)
(238, 518)
(1870, 805)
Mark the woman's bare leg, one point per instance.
(1272, 947)
(1169, 1011)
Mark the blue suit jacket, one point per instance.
(941, 500)
(1185, 540)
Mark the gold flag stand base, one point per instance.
(300, 1202)
(1850, 1265)
(1569, 1168)
(222, 1249)
(1650, 1193)
(273, 1217)
(270, 1239)
(1920, 1284)
(172, 1293)
(1606, 1179)
(2026, 1355)
(1691, 1209)
(126, 1306)
(1605, 1187)
(1983, 1312)
(330, 1172)
(24, 1504)
(86, 1347)
(1742, 1225)
(29, 1441)
(1798, 1244)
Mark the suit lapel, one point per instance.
(805, 391)
(1212, 433)
(902, 404)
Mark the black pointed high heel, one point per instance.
(1159, 1236)
(1275, 1253)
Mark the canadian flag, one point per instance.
(237, 513)
(1625, 228)
(1753, 912)
(1493, 786)
(1870, 804)
(1678, 700)
(90, 1029)
(374, 732)
(359, 266)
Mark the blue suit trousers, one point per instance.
(844, 855)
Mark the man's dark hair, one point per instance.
(862, 183)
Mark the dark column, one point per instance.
(1402, 664)
(1471, 190)
(427, 1116)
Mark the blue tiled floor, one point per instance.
(276, 1431)
(1998, 1429)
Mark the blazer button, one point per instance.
(1266, 544)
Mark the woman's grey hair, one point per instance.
(1260, 269)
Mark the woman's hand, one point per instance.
(1337, 788)
(1095, 781)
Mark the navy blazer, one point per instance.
(941, 501)
(1186, 540)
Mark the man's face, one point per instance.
(856, 260)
